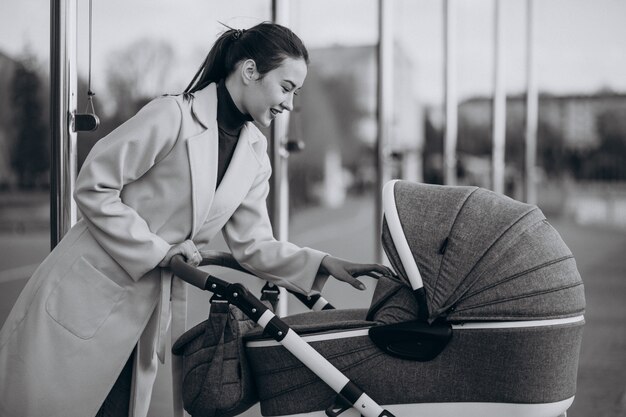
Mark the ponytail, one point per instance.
(268, 44)
(214, 67)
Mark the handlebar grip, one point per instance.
(188, 273)
(224, 259)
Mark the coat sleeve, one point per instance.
(248, 234)
(118, 159)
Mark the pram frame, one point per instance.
(252, 307)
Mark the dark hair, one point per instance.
(268, 44)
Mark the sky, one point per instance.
(580, 45)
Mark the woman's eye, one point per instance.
(288, 90)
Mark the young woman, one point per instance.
(84, 336)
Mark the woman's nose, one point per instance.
(288, 103)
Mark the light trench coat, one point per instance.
(100, 293)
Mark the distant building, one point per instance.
(574, 118)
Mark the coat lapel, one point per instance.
(203, 153)
(203, 160)
(240, 174)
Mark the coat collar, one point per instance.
(204, 108)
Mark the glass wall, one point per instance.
(332, 181)
(581, 156)
(418, 90)
(136, 56)
(580, 137)
(24, 144)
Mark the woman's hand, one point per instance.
(347, 271)
(187, 249)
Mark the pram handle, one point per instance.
(236, 294)
(224, 259)
(195, 276)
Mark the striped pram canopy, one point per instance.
(480, 255)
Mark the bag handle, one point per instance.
(218, 319)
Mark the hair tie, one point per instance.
(238, 33)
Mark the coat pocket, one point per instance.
(83, 299)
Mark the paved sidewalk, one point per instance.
(601, 258)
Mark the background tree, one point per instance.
(135, 75)
(139, 73)
(608, 160)
(31, 154)
(551, 151)
(433, 150)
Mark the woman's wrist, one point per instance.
(322, 269)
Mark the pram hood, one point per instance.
(479, 255)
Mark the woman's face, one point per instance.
(265, 98)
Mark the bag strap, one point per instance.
(218, 321)
(270, 293)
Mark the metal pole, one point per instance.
(384, 94)
(532, 109)
(63, 84)
(451, 99)
(279, 187)
(499, 104)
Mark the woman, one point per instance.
(163, 183)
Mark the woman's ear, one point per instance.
(249, 72)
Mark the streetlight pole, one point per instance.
(385, 111)
(279, 187)
(451, 100)
(499, 104)
(532, 109)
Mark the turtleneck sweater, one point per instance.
(230, 121)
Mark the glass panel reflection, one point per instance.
(24, 145)
(332, 181)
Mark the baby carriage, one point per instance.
(484, 319)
